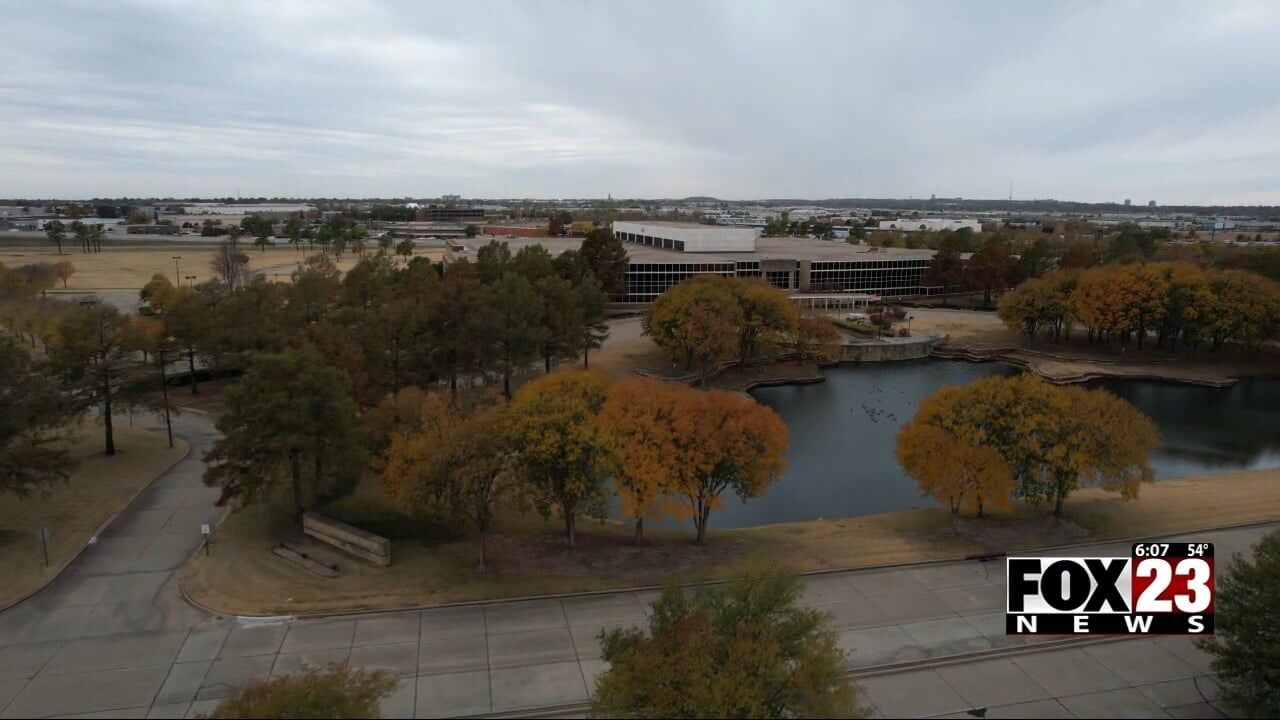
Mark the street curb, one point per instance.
(710, 583)
(105, 524)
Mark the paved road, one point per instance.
(623, 329)
(112, 636)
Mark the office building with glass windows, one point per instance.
(662, 254)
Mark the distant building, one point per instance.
(1127, 202)
(1151, 203)
(516, 230)
(20, 223)
(662, 254)
(451, 198)
(929, 224)
(423, 230)
(686, 237)
(152, 229)
(449, 214)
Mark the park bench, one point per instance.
(351, 540)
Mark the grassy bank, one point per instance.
(528, 556)
(99, 488)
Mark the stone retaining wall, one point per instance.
(888, 350)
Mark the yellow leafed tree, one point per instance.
(561, 459)
(1052, 439)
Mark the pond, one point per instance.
(841, 463)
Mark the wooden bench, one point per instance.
(351, 540)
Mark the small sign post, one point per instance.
(205, 530)
(43, 533)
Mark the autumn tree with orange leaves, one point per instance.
(732, 444)
(1169, 300)
(964, 477)
(643, 434)
(1051, 439)
(814, 336)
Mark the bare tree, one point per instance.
(229, 263)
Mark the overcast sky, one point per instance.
(1095, 101)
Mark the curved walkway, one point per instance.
(113, 637)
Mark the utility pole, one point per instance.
(177, 273)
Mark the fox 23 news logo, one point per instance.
(1160, 589)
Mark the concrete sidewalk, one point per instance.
(1164, 677)
(112, 636)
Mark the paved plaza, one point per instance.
(112, 637)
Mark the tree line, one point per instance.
(668, 449)
(389, 326)
(292, 426)
(711, 319)
(1168, 302)
(78, 358)
(383, 327)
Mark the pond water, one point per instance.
(840, 462)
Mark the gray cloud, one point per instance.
(1083, 100)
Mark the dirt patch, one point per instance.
(627, 357)
(968, 326)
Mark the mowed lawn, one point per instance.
(528, 556)
(99, 488)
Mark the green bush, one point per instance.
(745, 650)
(1246, 649)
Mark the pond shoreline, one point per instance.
(1056, 369)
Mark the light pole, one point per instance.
(909, 319)
(191, 280)
(177, 273)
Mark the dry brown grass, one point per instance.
(625, 357)
(528, 557)
(99, 488)
(966, 326)
(132, 267)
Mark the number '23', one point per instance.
(1162, 571)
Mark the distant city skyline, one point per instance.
(1087, 101)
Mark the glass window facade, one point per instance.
(646, 281)
(891, 278)
(878, 277)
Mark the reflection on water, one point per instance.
(842, 432)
